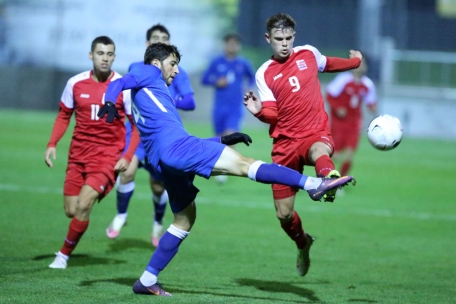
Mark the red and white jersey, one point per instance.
(295, 89)
(92, 136)
(350, 93)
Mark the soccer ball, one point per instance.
(385, 132)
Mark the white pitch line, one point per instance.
(264, 205)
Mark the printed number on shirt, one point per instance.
(136, 115)
(294, 83)
(95, 108)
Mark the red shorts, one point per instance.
(292, 153)
(345, 136)
(100, 176)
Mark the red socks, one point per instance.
(75, 232)
(345, 168)
(295, 231)
(323, 166)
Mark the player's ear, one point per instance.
(90, 56)
(266, 36)
(156, 62)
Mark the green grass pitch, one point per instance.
(389, 239)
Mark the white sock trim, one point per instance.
(182, 234)
(254, 168)
(161, 200)
(125, 188)
(64, 256)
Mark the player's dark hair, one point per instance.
(280, 21)
(157, 27)
(103, 40)
(232, 36)
(160, 51)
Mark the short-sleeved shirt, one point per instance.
(347, 92)
(94, 139)
(294, 88)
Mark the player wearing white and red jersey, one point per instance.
(346, 94)
(95, 155)
(290, 101)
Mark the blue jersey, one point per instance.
(162, 133)
(180, 86)
(235, 70)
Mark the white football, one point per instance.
(385, 132)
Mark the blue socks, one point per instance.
(276, 174)
(160, 206)
(124, 193)
(166, 250)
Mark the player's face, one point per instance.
(102, 57)
(232, 47)
(169, 68)
(158, 36)
(281, 41)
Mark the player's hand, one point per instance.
(51, 151)
(121, 165)
(221, 82)
(252, 103)
(109, 108)
(353, 54)
(235, 138)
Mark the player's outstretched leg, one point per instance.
(277, 174)
(303, 259)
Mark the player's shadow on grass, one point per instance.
(82, 260)
(123, 244)
(273, 286)
(121, 281)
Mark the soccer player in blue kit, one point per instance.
(178, 156)
(182, 93)
(228, 74)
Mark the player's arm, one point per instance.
(60, 126)
(112, 92)
(264, 111)
(210, 77)
(186, 102)
(336, 64)
(232, 139)
(124, 161)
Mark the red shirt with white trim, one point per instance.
(93, 139)
(344, 91)
(292, 89)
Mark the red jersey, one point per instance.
(295, 89)
(345, 91)
(93, 138)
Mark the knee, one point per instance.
(284, 216)
(126, 177)
(69, 212)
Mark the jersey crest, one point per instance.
(301, 64)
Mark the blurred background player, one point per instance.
(95, 155)
(292, 104)
(227, 73)
(182, 92)
(345, 95)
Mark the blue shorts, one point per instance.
(192, 155)
(224, 119)
(181, 162)
(180, 188)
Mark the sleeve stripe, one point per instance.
(155, 100)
